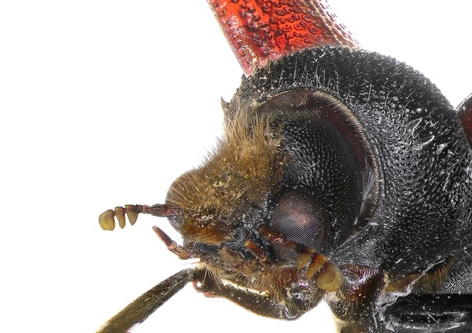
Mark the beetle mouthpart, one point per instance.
(256, 250)
(317, 262)
(107, 218)
(330, 278)
(172, 245)
(303, 259)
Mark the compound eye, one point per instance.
(300, 217)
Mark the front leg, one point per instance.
(354, 303)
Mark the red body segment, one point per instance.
(263, 30)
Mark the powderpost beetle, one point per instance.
(343, 176)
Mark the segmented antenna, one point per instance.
(107, 218)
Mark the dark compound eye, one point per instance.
(300, 217)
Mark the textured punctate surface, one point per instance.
(422, 153)
(465, 115)
(261, 30)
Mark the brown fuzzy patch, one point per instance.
(238, 176)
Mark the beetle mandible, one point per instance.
(343, 175)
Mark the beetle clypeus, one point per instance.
(343, 175)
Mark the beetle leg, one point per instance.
(143, 306)
(352, 302)
(258, 300)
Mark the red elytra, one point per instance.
(264, 30)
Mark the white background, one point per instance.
(105, 103)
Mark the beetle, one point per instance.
(318, 191)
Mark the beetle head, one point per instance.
(225, 213)
(269, 205)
